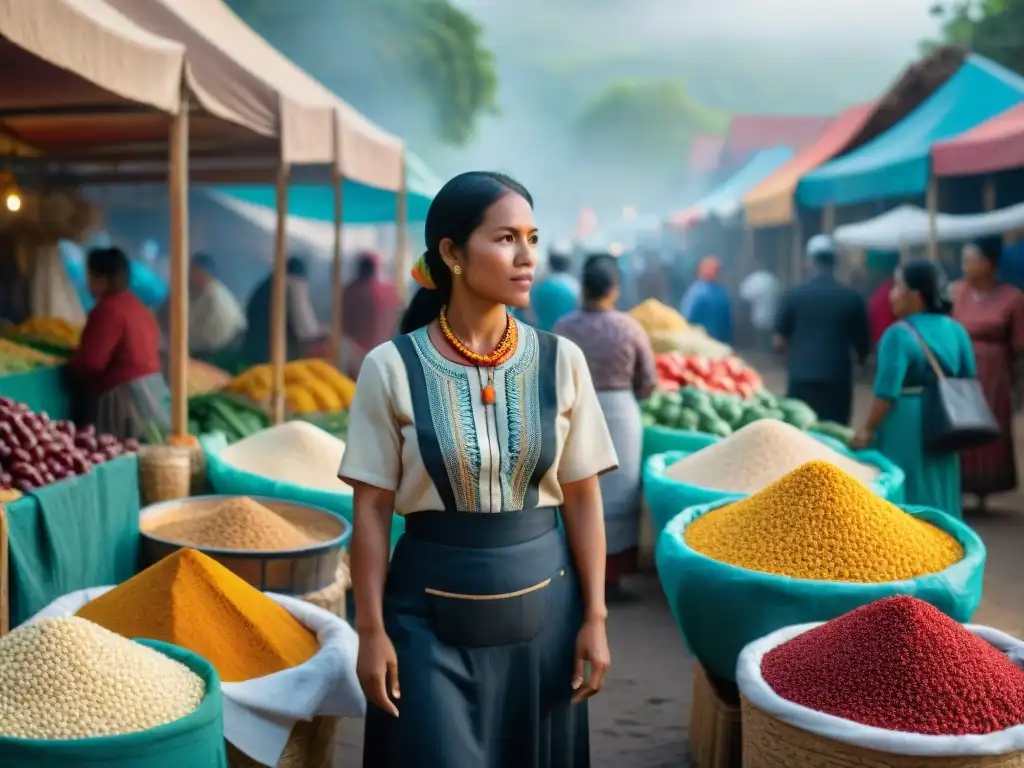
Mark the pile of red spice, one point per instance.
(903, 665)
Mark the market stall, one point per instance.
(909, 226)
(809, 546)
(37, 379)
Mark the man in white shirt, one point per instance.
(761, 289)
(216, 321)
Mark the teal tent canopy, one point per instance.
(897, 163)
(362, 204)
(726, 200)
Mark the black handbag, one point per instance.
(955, 414)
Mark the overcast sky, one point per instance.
(890, 23)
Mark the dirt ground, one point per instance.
(640, 718)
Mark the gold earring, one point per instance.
(456, 269)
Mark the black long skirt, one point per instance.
(483, 610)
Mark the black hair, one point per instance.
(455, 212)
(366, 267)
(600, 276)
(296, 266)
(109, 263)
(929, 280)
(825, 258)
(559, 262)
(991, 248)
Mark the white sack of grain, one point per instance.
(757, 455)
(294, 452)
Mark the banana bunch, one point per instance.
(311, 386)
(51, 330)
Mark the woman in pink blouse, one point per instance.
(993, 314)
(621, 364)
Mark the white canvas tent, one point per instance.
(908, 226)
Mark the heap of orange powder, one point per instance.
(192, 601)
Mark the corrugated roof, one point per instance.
(705, 152)
(751, 133)
(770, 203)
(993, 146)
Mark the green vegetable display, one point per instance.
(222, 413)
(721, 414)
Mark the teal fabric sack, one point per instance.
(81, 532)
(662, 439)
(228, 479)
(195, 741)
(720, 608)
(666, 497)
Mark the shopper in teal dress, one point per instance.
(921, 301)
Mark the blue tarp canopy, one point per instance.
(726, 200)
(897, 163)
(362, 204)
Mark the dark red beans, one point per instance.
(903, 665)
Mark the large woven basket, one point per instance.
(311, 745)
(332, 597)
(165, 473)
(770, 743)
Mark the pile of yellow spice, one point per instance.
(819, 523)
(190, 600)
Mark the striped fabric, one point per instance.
(127, 410)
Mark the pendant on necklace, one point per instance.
(487, 393)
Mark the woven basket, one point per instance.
(165, 473)
(311, 745)
(770, 743)
(332, 597)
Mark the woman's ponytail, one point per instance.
(435, 290)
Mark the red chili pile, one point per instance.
(903, 665)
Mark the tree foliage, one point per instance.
(645, 121)
(388, 51)
(991, 28)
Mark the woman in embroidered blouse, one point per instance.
(621, 363)
(487, 631)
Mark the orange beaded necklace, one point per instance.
(500, 355)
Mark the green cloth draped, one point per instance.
(43, 389)
(78, 533)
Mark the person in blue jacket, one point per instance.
(706, 302)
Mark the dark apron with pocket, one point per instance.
(483, 610)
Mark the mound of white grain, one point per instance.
(68, 678)
(294, 452)
(757, 455)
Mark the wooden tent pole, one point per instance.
(337, 271)
(178, 199)
(988, 194)
(798, 249)
(828, 219)
(932, 200)
(401, 235)
(279, 301)
(5, 592)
